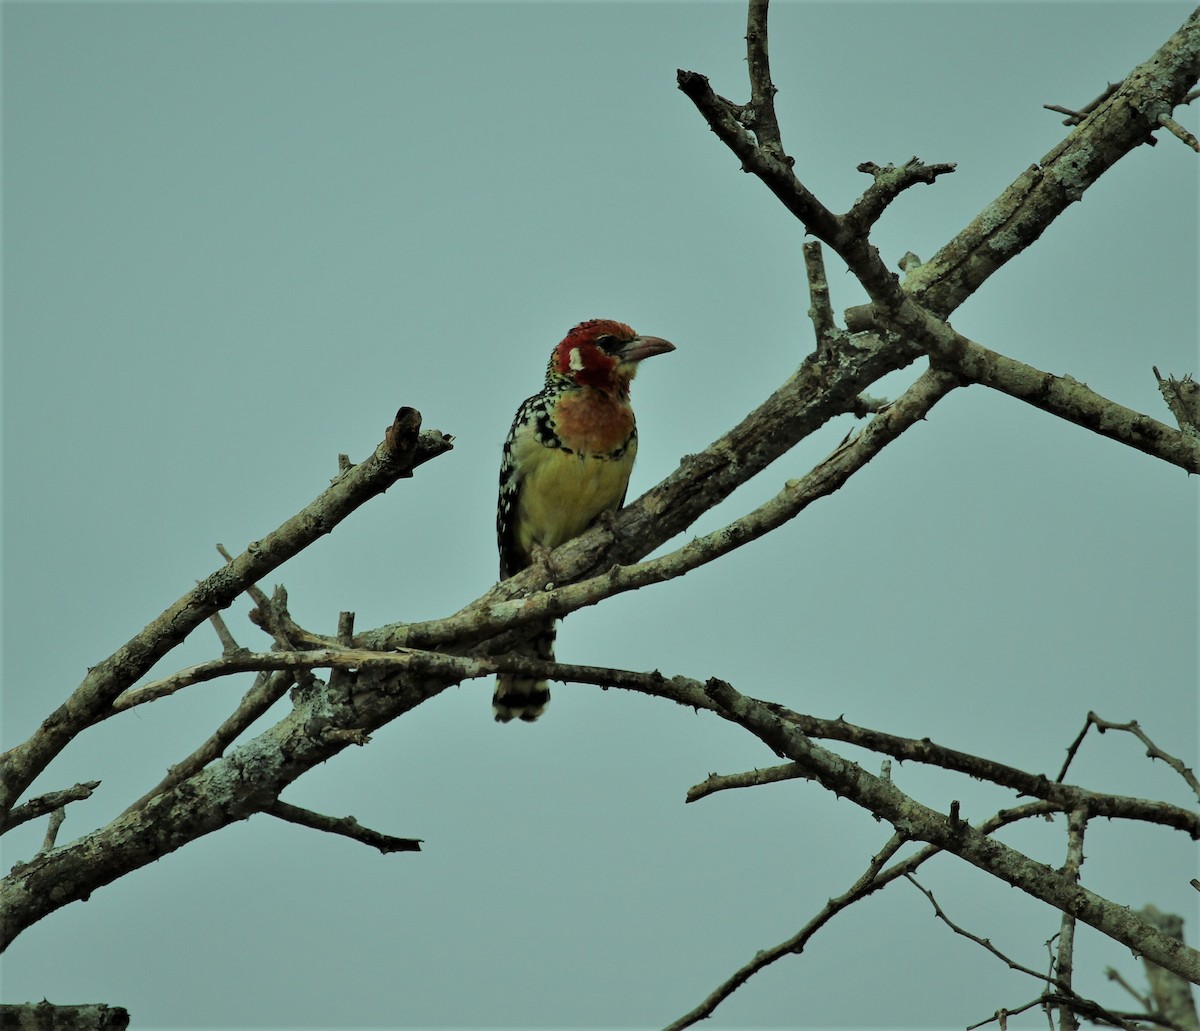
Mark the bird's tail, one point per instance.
(520, 698)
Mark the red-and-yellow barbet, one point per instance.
(566, 462)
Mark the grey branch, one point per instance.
(347, 826)
(865, 885)
(1119, 122)
(1179, 132)
(1075, 117)
(1171, 995)
(1062, 396)
(403, 448)
(1134, 728)
(890, 182)
(821, 311)
(1183, 398)
(909, 817)
(56, 819)
(268, 688)
(1067, 996)
(715, 782)
(47, 803)
(1076, 828)
(449, 669)
(873, 879)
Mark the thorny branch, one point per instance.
(885, 801)
(1132, 727)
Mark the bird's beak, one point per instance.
(643, 347)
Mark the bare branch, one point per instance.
(889, 183)
(454, 669)
(1059, 395)
(887, 802)
(769, 164)
(56, 819)
(759, 116)
(228, 644)
(1113, 975)
(347, 826)
(984, 943)
(1134, 728)
(1177, 130)
(715, 782)
(1172, 996)
(1075, 117)
(821, 311)
(28, 1015)
(1076, 827)
(1120, 122)
(1183, 398)
(403, 449)
(44, 804)
(866, 884)
(267, 690)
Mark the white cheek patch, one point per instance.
(576, 360)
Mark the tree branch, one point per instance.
(347, 826)
(403, 449)
(451, 669)
(1063, 396)
(1076, 828)
(44, 804)
(911, 818)
(1134, 728)
(489, 615)
(870, 882)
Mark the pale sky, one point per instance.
(238, 236)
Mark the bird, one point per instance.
(565, 464)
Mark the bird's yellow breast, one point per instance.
(563, 491)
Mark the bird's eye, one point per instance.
(608, 343)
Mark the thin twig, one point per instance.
(820, 310)
(1075, 117)
(863, 886)
(1114, 975)
(1065, 966)
(1001, 1015)
(228, 644)
(880, 879)
(1065, 996)
(985, 943)
(267, 689)
(715, 782)
(1177, 130)
(56, 819)
(1152, 750)
(347, 826)
(890, 182)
